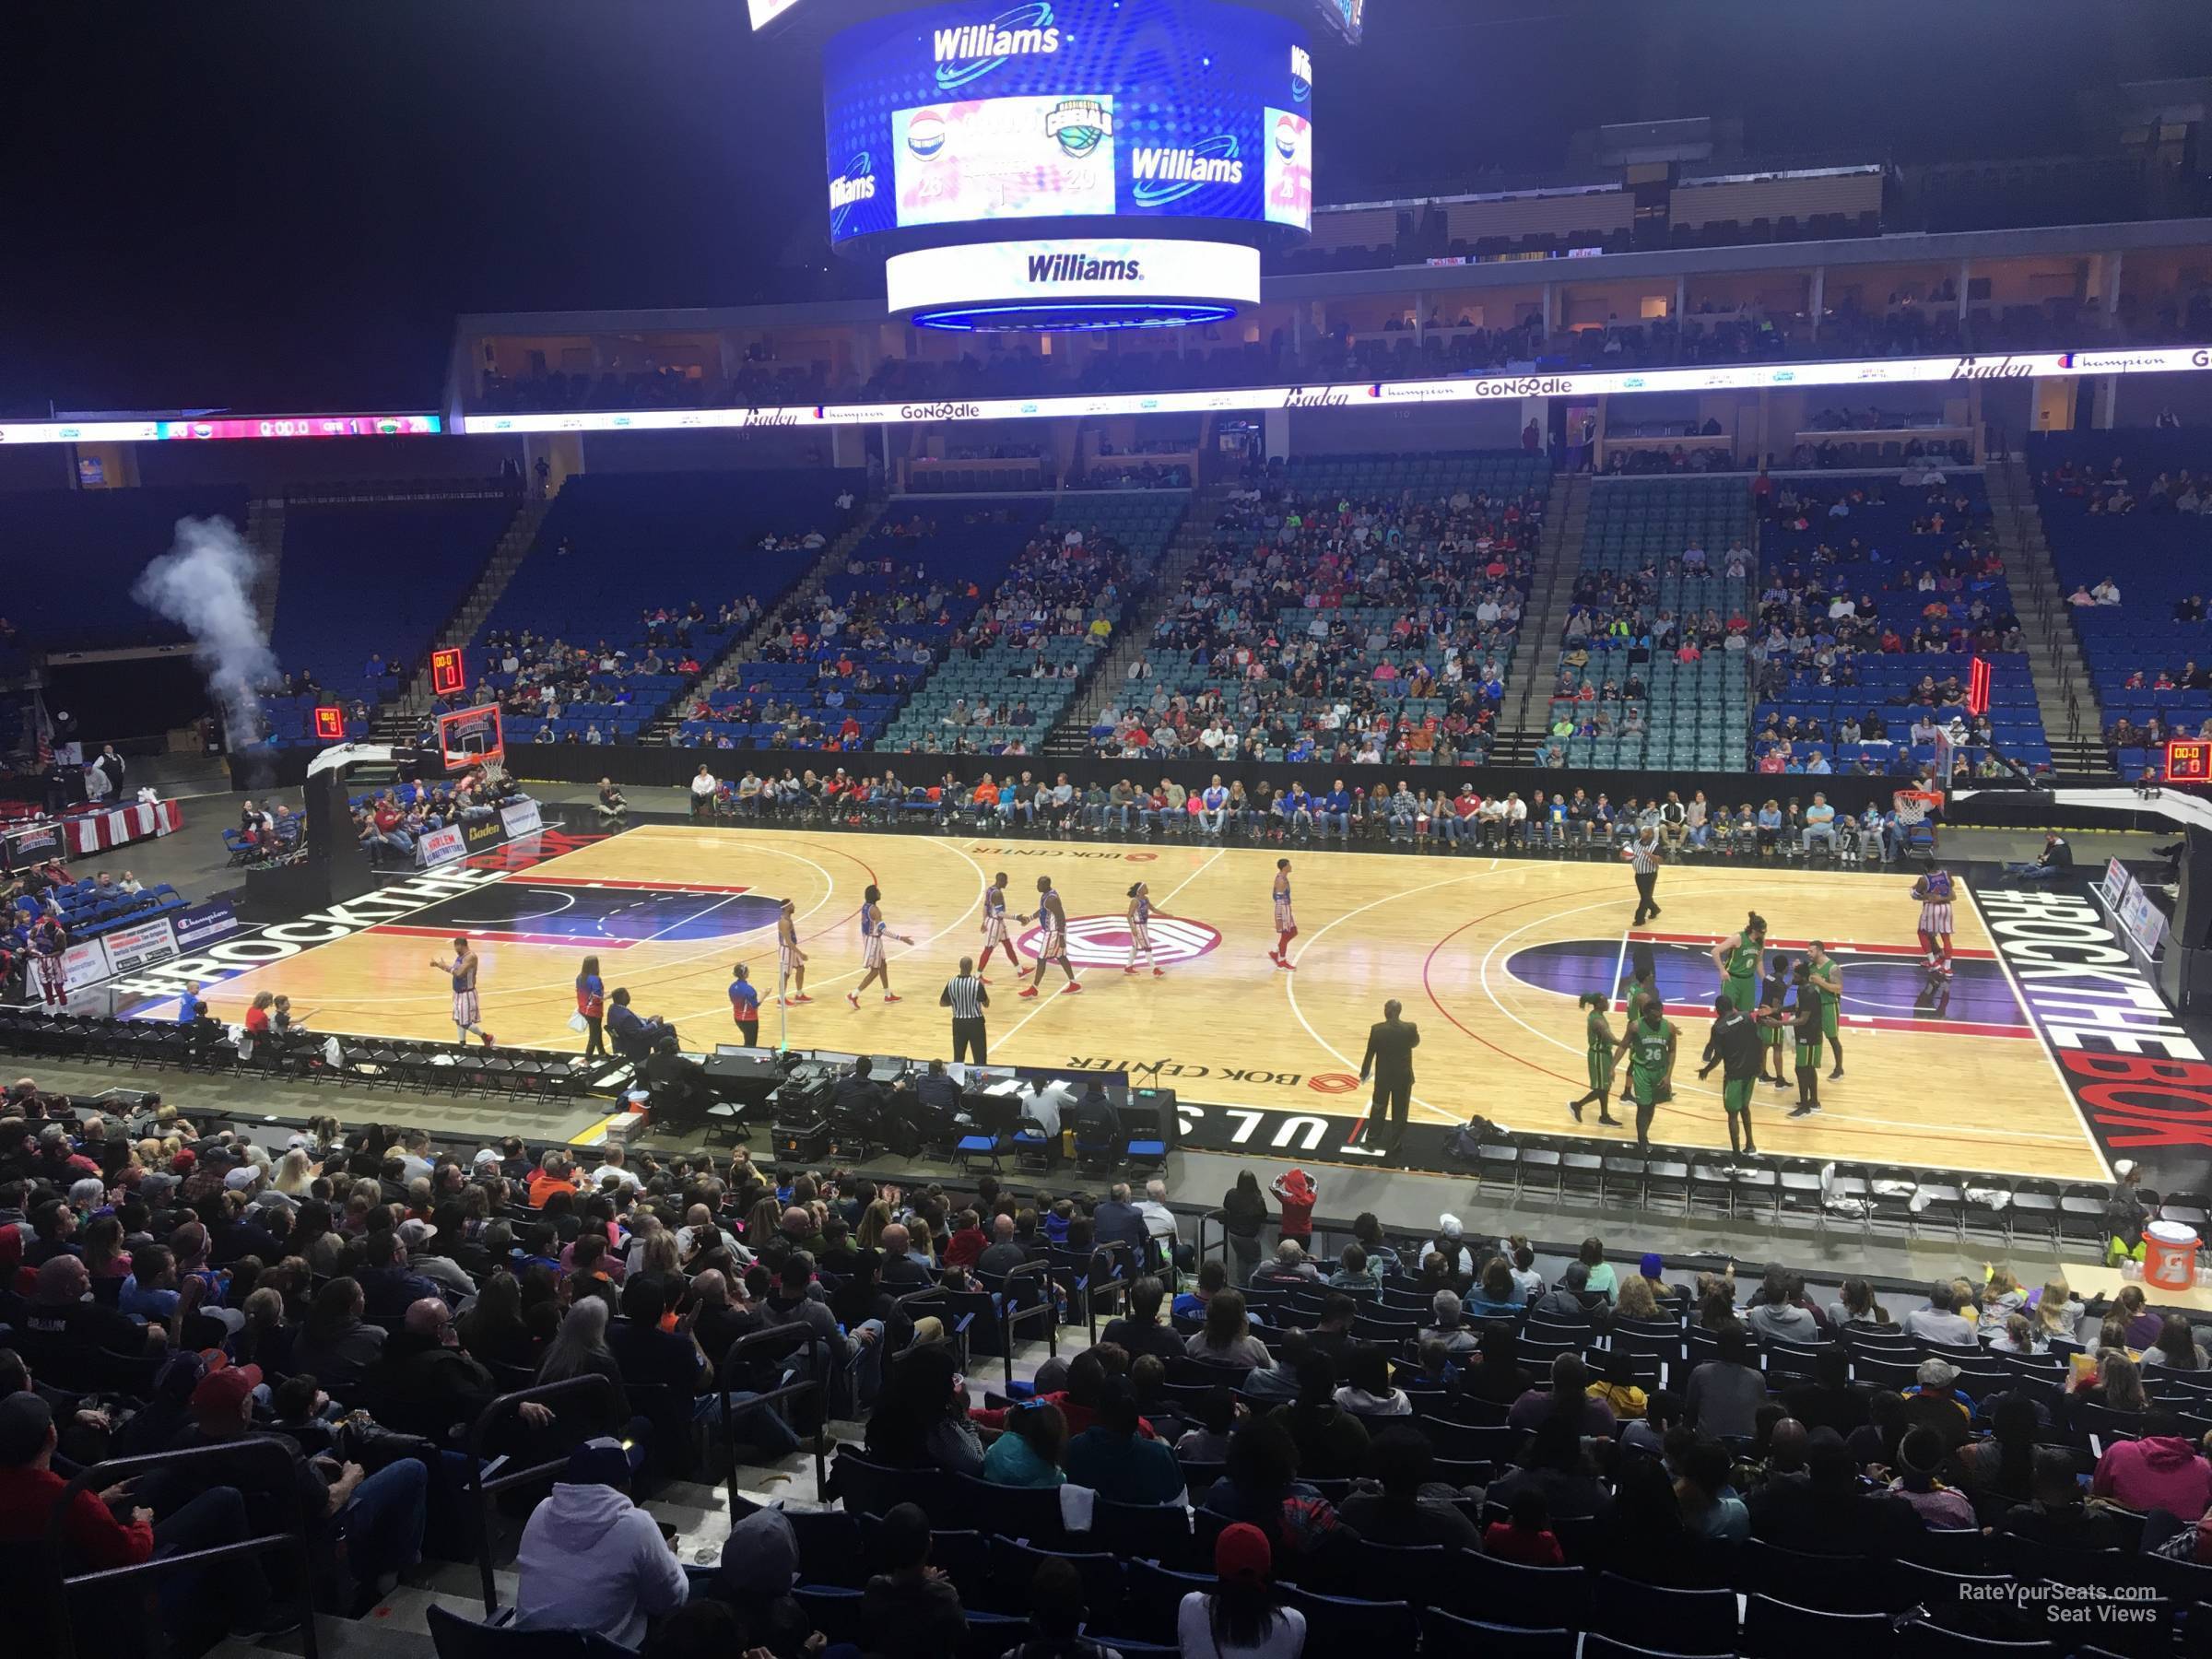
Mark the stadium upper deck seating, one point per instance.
(834, 677)
(2154, 553)
(377, 577)
(1353, 545)
(616, 547)
(92, 544)
(1041, 612)
(1637, 599)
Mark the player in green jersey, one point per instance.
(1805, 1020)
(1828, 983)
(1598, 1038)
(1648, 1042)
(1772, 1015)
(1739, 957)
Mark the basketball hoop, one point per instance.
(1914, 805)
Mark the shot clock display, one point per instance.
(449, 673)
(2189, 760)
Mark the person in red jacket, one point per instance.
(95, 1538)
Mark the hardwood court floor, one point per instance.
(1488, 956)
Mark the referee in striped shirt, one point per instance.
(967, 997)
(1643, 852)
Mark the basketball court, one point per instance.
(1488, 955)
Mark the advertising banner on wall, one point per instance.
(83, 965)
(440, 846)
(202, 925)
(140, 945)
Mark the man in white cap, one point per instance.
(1447, 1243)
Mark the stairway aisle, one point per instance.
(2073, 721)
(1104, 687)
(1522, 735)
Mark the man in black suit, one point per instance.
(1390, 1045)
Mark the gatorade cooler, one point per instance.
(2169, 1255)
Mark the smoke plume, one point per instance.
(205, 582)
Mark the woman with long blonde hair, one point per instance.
(2058, 1310)
(296, 1174)
(873, 1220)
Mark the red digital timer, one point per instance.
(330, 723)
(2189, 760)
(448, 674)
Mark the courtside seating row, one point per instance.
(377, 576)
(85, 914)
(1144, 523)
(91, 546)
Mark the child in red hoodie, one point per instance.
(1527, 1537)
(966, 1246)
(1298, 1193)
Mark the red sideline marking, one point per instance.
(498, 936)
(1773, 944)
(1873, 1022)
(642, 887)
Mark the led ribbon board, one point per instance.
(1881, 371)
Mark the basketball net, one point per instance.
(1914, 804)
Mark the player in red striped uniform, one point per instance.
(1052, 947)
(1285, 924)
(874, 930)
(1933, 891)
(995, 924)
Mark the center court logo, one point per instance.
(973, 50)
(1160, 176)
(1103, 941)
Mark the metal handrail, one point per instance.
(1010, 1317)
(1212, 1217)
(482, 1491)
(1109, 1283)
(934, 1298)
(742, 1352)
(292, 1540)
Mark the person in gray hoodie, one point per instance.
(591, 1560)
(855, 1361)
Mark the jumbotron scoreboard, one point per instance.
(1070, 164)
